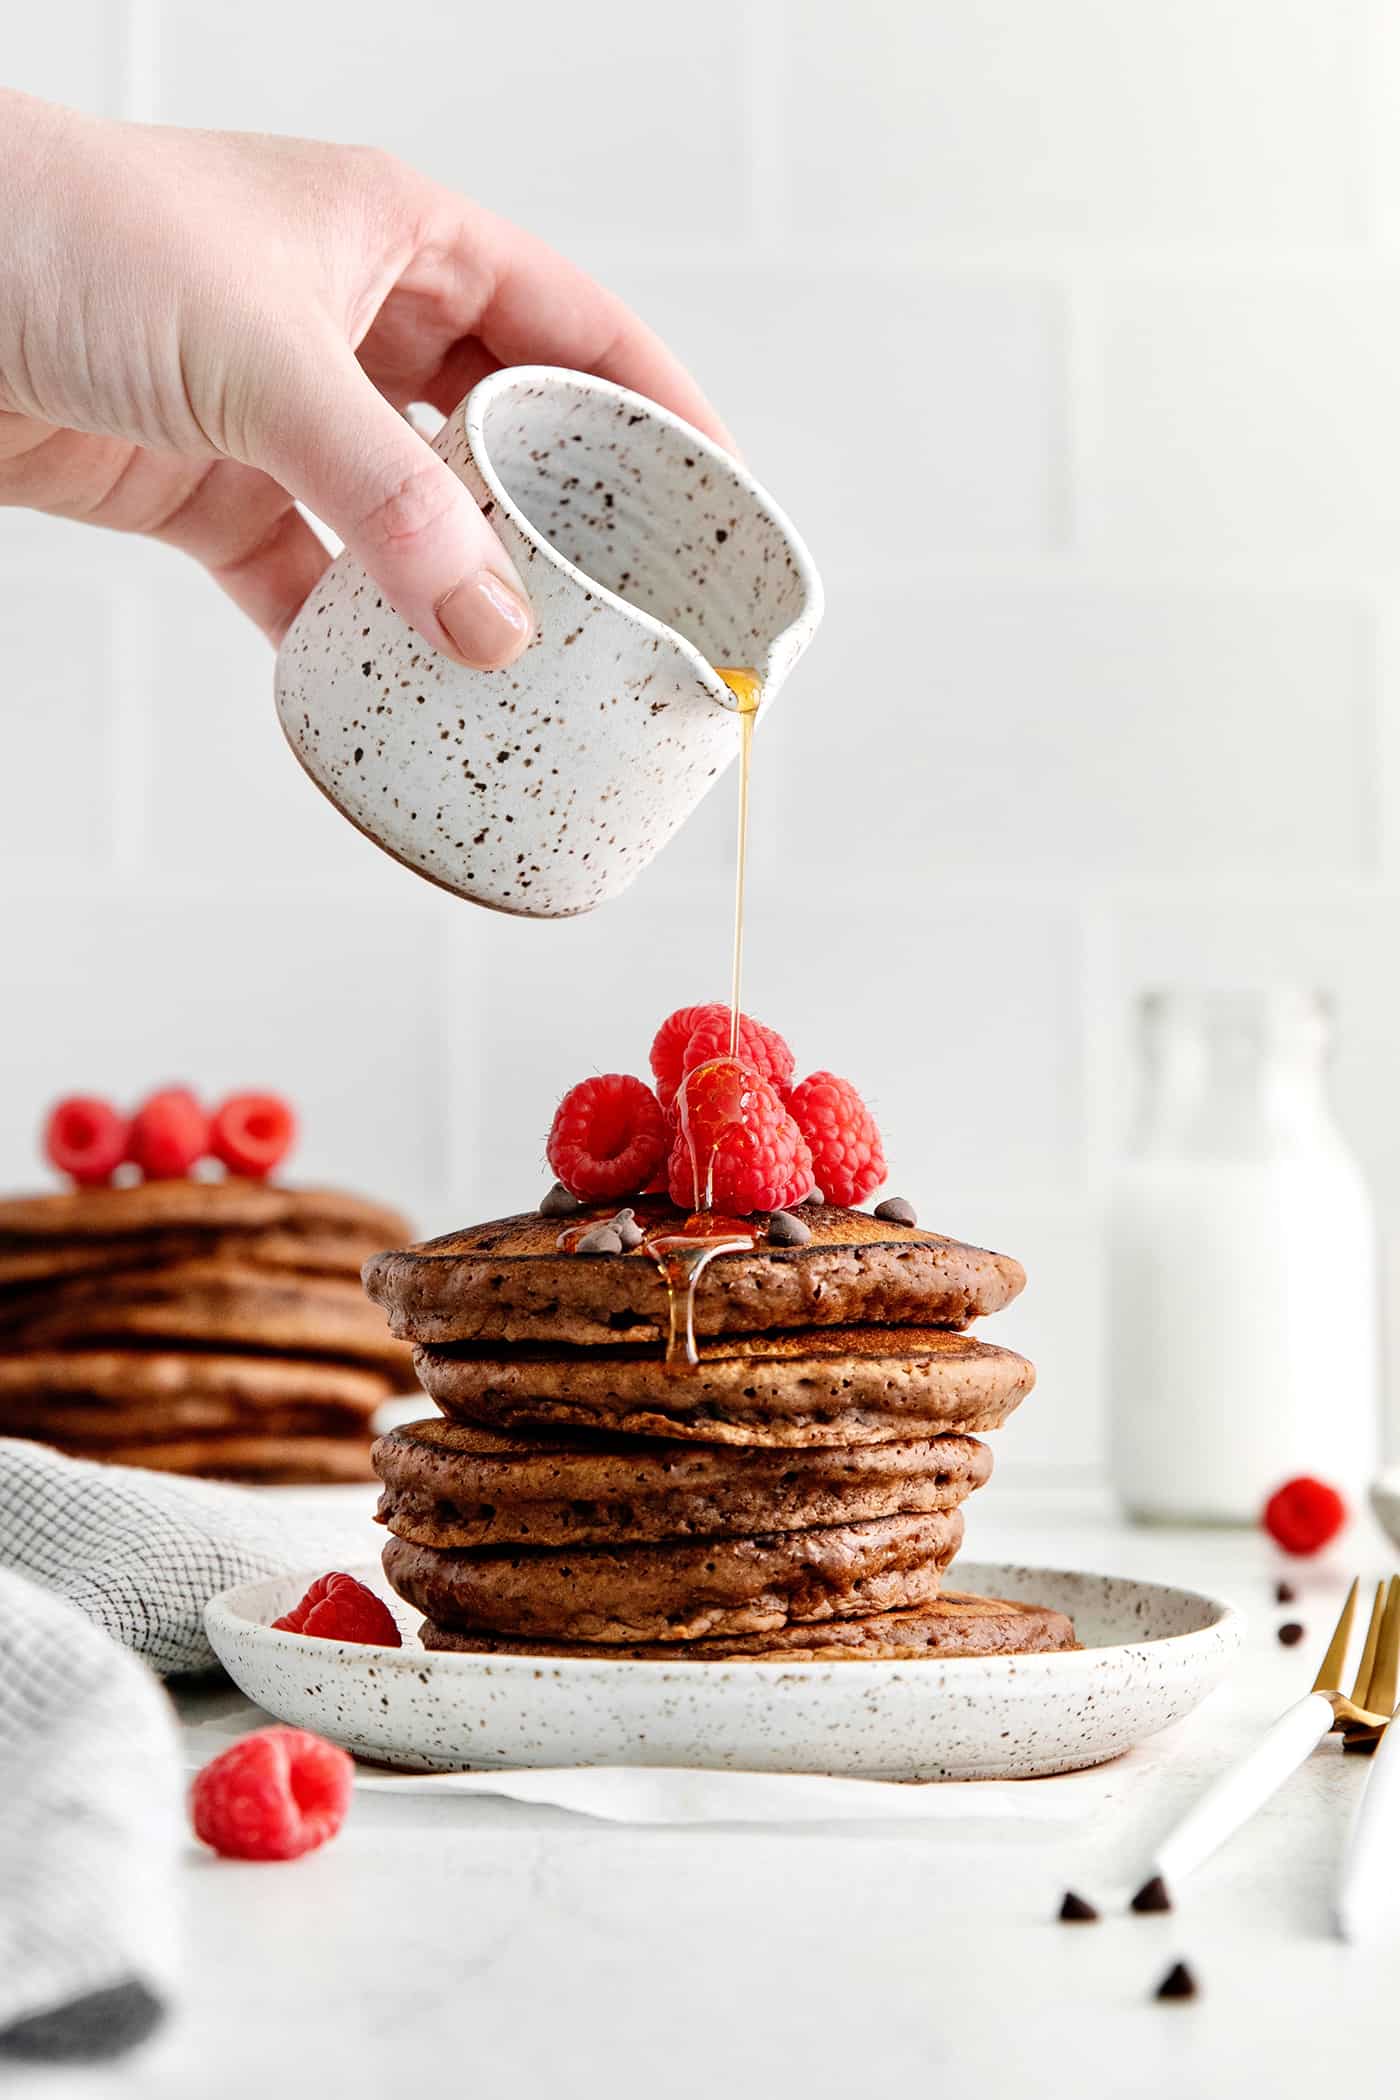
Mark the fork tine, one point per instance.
(1329, 1677)
(1380, 1693)
(1368, 1652)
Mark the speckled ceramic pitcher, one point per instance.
(649, 556)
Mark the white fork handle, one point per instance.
(1371, 1867)
(1233, 1798)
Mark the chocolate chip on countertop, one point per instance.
(627, 1229)
(785, 1230)
(1284, 1593)
(1177, 1983)
(1152, 1896)
(558, 1203)
(1075, 1911)
(897, 1210)
(813, 1196)
(599, 1239)
(1290, 1633)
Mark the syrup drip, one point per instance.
(747, 688)
(682, 1257)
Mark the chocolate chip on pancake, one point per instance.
(954, 1624)
(507, 1281)
(450, 1485)
(824, 1385)
(681, 1592)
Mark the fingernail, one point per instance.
(487, 623)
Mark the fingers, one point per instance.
(480, 293)
(337, 444)
(544, 311)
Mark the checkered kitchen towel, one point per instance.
(104, 1575)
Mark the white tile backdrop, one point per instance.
(1069, 331)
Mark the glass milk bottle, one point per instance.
(1241, 1266)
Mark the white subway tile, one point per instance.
(939, 729)
(66, 54)
(954, 1010)
(1087, 120)
(227, 798)
(891, 413)
(1057, 1322)
(124, 990)
(57, 640)
(631, 122)
(1253, 417)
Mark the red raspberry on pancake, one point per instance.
(86, 1139)
(736, 1149)
(848, 1158)
(608, 1137)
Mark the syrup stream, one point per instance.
(747, 688)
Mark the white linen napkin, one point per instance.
(96, 1561)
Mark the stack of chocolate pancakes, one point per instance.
(794, 1493)
(210, 1327)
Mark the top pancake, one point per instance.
(508, 1281)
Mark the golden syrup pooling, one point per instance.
(682, 1257)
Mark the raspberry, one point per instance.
(848, 1160)
(252, 1133)
(169, 1132)
(338, 1608)
(273, 1795)
(697, 1034)
(86, 1139)
(761, 1049)
(1304, 1514)
(608, 1137)
(668, 1048)
(736, 1147)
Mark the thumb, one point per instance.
(343, 450)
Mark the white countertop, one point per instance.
(481, 1947)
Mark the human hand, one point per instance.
(197, 328)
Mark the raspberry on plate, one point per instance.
(252, 1133)
(736, 1148)
(338, 1608)
(1304, 1514)
(848, 1159)
(608, 1137)
(697, 1034)
(86, 1139)
(273, 1795)
(169, 1133)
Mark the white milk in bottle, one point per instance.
(1242, 1317)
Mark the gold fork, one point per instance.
(1365, 1885)
(1240, 1791)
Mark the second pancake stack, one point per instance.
(208, 1327)
(796, 1493)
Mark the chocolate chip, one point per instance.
(1290, 1633)
(897, 1210)
(812, 1196)
(627, 1229)
(599, 1239)
(784, 1230)
(558, 1203)
(1075, 1911)
(1284, 1593)
(1177, 1983)
(1152, 1896)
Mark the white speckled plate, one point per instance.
(1149, 1654)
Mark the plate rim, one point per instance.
(1224, 1630)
